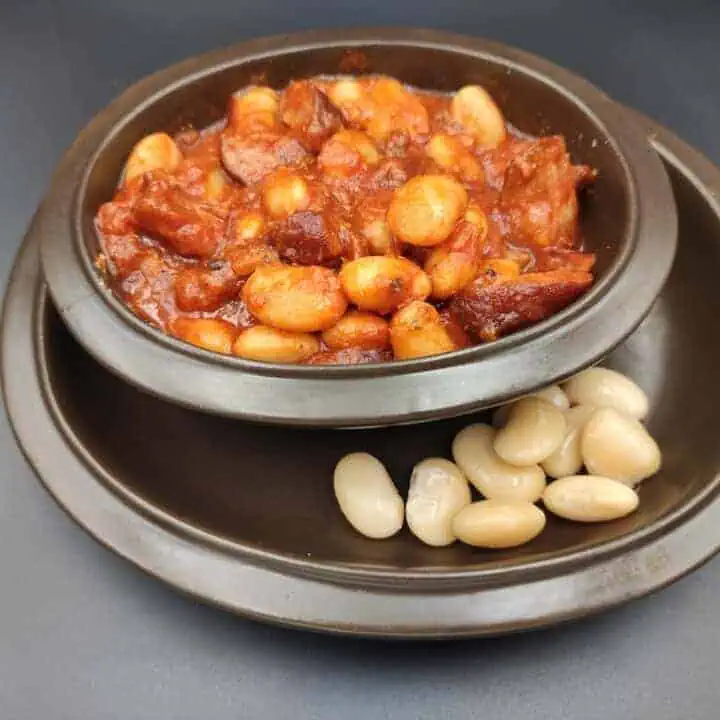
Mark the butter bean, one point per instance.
(367, 497)
(497, 524)
(424, 211)
(607, 388)
(477, 112)
(154, 152)
(270, 345)
(533, 432)
(295, 298)
(619, 447)
(438, 491)
(417, 331)
(567, 459)
(589, 498)
(553, 394)
(495, 479)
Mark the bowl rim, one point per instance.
(221, 384)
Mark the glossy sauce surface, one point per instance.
(359, 220)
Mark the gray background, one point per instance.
(84, 635)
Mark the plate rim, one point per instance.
(164, 554)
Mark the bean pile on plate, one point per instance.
(534, 452)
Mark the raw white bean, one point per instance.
(590, 498)
(497, 524)
(553, 394)
(607, 388)
(438, 491)
(495, 479)
(567, 459)
(618, 446)
(367, 496)
(533, 432)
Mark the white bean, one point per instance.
(567, 459)
(618, 446)
(553, 394)
(590, 498)
(497, 524)
(438, 491)
(495, 479)
(607, 388)
(533, 432)
(367, 496)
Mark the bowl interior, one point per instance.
(269, 489)
(533, 104)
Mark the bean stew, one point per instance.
(346, 220)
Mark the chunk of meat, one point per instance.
(488, 311)
(317, 238)
(559, 258)
(249, 158)
(539, 195)
(389, 175)
(308, 111)
(115, 218)
(150, 288)
(349, 356)
(200, 289)
(187, 226)
(123, 254)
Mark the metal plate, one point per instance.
(242, 516)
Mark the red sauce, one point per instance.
(186, 229)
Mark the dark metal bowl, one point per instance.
(628, 220)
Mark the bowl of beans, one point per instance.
(355, 229)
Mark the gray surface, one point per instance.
(83, 635)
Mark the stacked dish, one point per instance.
(147, 436)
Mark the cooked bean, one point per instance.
(497, 524)
(618, 446)
(533, 432)
(395, 110)
(359, 330)
(209, 334)
(378, 235)
(424, 210)
(438, 491)
(553, 394)
(495, 479)
(285, 194)
(450, 154)
(474, 109)
(249, 226)
(367, 497)
(299, 299)
(567, 459)
(589, 498)
(217, 186)
(267, 344)
(418, 331)
(454, 263)
(346, 152)
(383, 283)
(256, 105)
(607, 388)
(352, 99)
(154, 152)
